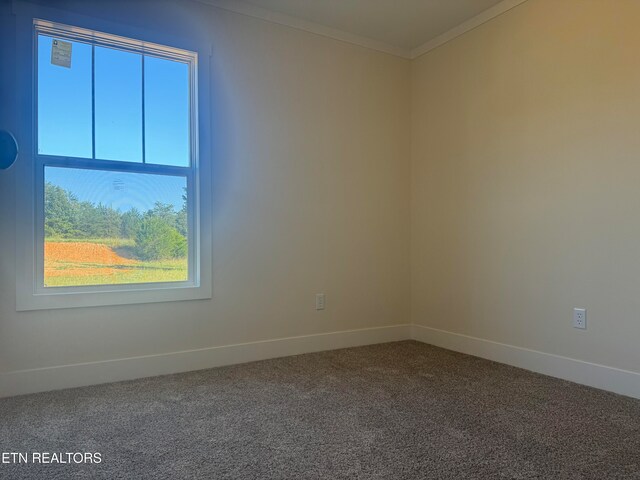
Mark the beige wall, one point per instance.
(525, 180)
(518, 139)
(311, 168)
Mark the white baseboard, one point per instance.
(612, 379)
(77, 375)
(22, 382)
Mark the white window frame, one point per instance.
(31, 294)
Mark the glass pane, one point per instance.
(118, 97)
(166, 92)
(105, 228)
(64, 100)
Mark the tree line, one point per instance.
(159, 233)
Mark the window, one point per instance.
(116, 177)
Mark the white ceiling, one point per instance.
(406, 24)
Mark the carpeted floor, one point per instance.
(398, 410)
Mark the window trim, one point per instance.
(30, 291)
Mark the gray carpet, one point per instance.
(398, 410)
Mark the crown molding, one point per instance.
(465, 27)
(254, 11)
(311, 27)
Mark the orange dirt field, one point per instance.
(81, 252)
(60, 258)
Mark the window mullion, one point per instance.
(113, 165)
(144, 143)
(93, 101)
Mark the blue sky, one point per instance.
(65, 122)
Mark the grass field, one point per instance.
(104, 261)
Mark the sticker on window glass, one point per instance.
(61, 53)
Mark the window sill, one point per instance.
(133, 294)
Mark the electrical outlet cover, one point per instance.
(320, 301)
(580, 318)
